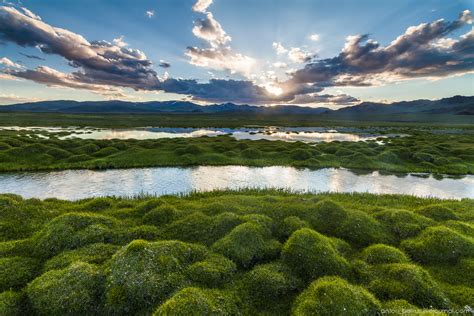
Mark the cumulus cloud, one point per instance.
(422, 51)
(30, 14)
(279, 48)
(108, 67)
(211, 31)
(219, 56)
(280, 64)
(201, 5)
(97, 62)
(299, 55)
(8, 63)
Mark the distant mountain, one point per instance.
(457, 105)
(177, 107)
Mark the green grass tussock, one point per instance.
(383, 254)
(248, 252)
(75, 290)
(143, 274)
(439, 244)
(335, 296)
(197, 301)
(21, 151)
(311, 255)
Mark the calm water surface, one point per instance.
(79, 184)
(289, 134)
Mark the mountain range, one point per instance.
(457, 105)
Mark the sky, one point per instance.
(262, 52)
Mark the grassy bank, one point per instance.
(231, 120)
(421, 152)
(231, 253)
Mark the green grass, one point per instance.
(420, 152)
(249, 252)
(226, 120)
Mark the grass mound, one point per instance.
(312, 255)
(439, 245)
(16, 272)
(75, 290)
(248, 244)
(335, 296)
(438, 213)
(93, 253)
(197, 301)
(134, 256)
(269, 283)
(72, 231)
(381, 254)
(403, 224)
(143, 274)
(11, 304)
(214, 271)
(409, 282)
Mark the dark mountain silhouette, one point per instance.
(457, 105)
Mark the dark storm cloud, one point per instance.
(164, 64)
(106, 68)
(422, 51)
(32, 56)
(99, 62)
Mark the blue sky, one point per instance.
(242, 36)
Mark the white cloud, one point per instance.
(8, 63)
(150, 13)
(279, 48)
(6, 99)
(298, 55)
(120, 42)
(221, 58)
(211, 31)
(280, 64)
(314, 37)
(201, 5)
(30, 14)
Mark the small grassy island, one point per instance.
(418, 151)
(236, 253)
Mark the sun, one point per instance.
(272, 89)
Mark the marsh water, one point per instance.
(79, 184)
(290, 134)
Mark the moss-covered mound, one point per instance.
(197, 301)
(16, 272)
(75, 290)
(439, 245)
(250, 253)
(335, 296)
(381, 254)
(409, 282)
(267, 284)
(248, 244)
(311, 255)
(214, 271)
(438, 213)
(72, 231)
(403, 224)
(11, 304)
(143, 274)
